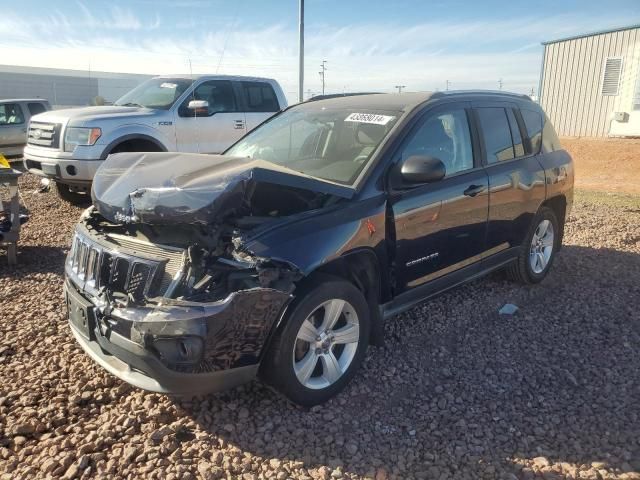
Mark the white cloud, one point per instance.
(372, 57)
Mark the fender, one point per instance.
(132, 132)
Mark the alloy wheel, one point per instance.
(541, 246)
(326, 344)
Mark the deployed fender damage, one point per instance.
(162, 258)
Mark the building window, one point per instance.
(611, 75)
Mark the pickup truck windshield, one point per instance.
(330, 144)
(158, 93)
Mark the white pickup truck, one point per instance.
(203, 114)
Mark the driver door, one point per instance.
(441, 227)
(214, 129)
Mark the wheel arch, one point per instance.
(558, 204)
(133, 137)
(361, 267)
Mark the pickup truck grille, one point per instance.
(44, 134)
(115, 264)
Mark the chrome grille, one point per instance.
(44, 134)
(93, 265)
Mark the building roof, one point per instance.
(8, 100)
(591, 34)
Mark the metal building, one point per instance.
(65, 88)
(590, 84)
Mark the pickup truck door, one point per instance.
(213, 129)
(13, 129)
(259, 101)
(441, 227)
(516, 178)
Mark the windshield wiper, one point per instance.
(130, 104)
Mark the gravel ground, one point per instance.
(457, 392)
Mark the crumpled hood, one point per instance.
(170, 188)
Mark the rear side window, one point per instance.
(11, 114)
(259, 97)
(518, 147)
(533, 124)
(496, 134)
(550, 141)
(36, 108)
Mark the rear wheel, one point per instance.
(322, 343)
(75, 195)
(538, 249)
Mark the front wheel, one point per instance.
(538, 250)
(322, 343)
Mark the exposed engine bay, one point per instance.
(204, 212)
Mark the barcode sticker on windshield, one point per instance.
(369, 118)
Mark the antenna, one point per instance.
(195, 111)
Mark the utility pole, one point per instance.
(301, 53)
(500, 84)
(321, 72)
(448, 85)
(400, 87)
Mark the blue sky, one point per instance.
(369, 45)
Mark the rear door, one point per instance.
(213, 129)
(13, 129)
(441, 227)
(516, 179)
(260, 102)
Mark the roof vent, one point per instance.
(611, 76)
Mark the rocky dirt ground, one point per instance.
(606, 164)
(458, 391)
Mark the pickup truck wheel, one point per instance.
(538, 250)
(322, 343)
(68, 194)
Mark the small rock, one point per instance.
(541, 462)
(508, 309)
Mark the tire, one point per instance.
(535, 261)
(71, 196)
(290, 359)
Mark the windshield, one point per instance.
(159, 93)
(331, 144)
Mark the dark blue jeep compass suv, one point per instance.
(282, 257)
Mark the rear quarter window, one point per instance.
(259, 97)
(533, 124)
(550, 140)
(36, 108)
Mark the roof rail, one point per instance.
(480, 92)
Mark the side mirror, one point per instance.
(198, 104)
(422, 169)
(195, 108)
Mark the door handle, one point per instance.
(473, 190)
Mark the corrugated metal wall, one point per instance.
(572, 79)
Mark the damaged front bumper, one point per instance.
(178, 347)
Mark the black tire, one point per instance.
(521, 270)
(278, 365)
(71, 196)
